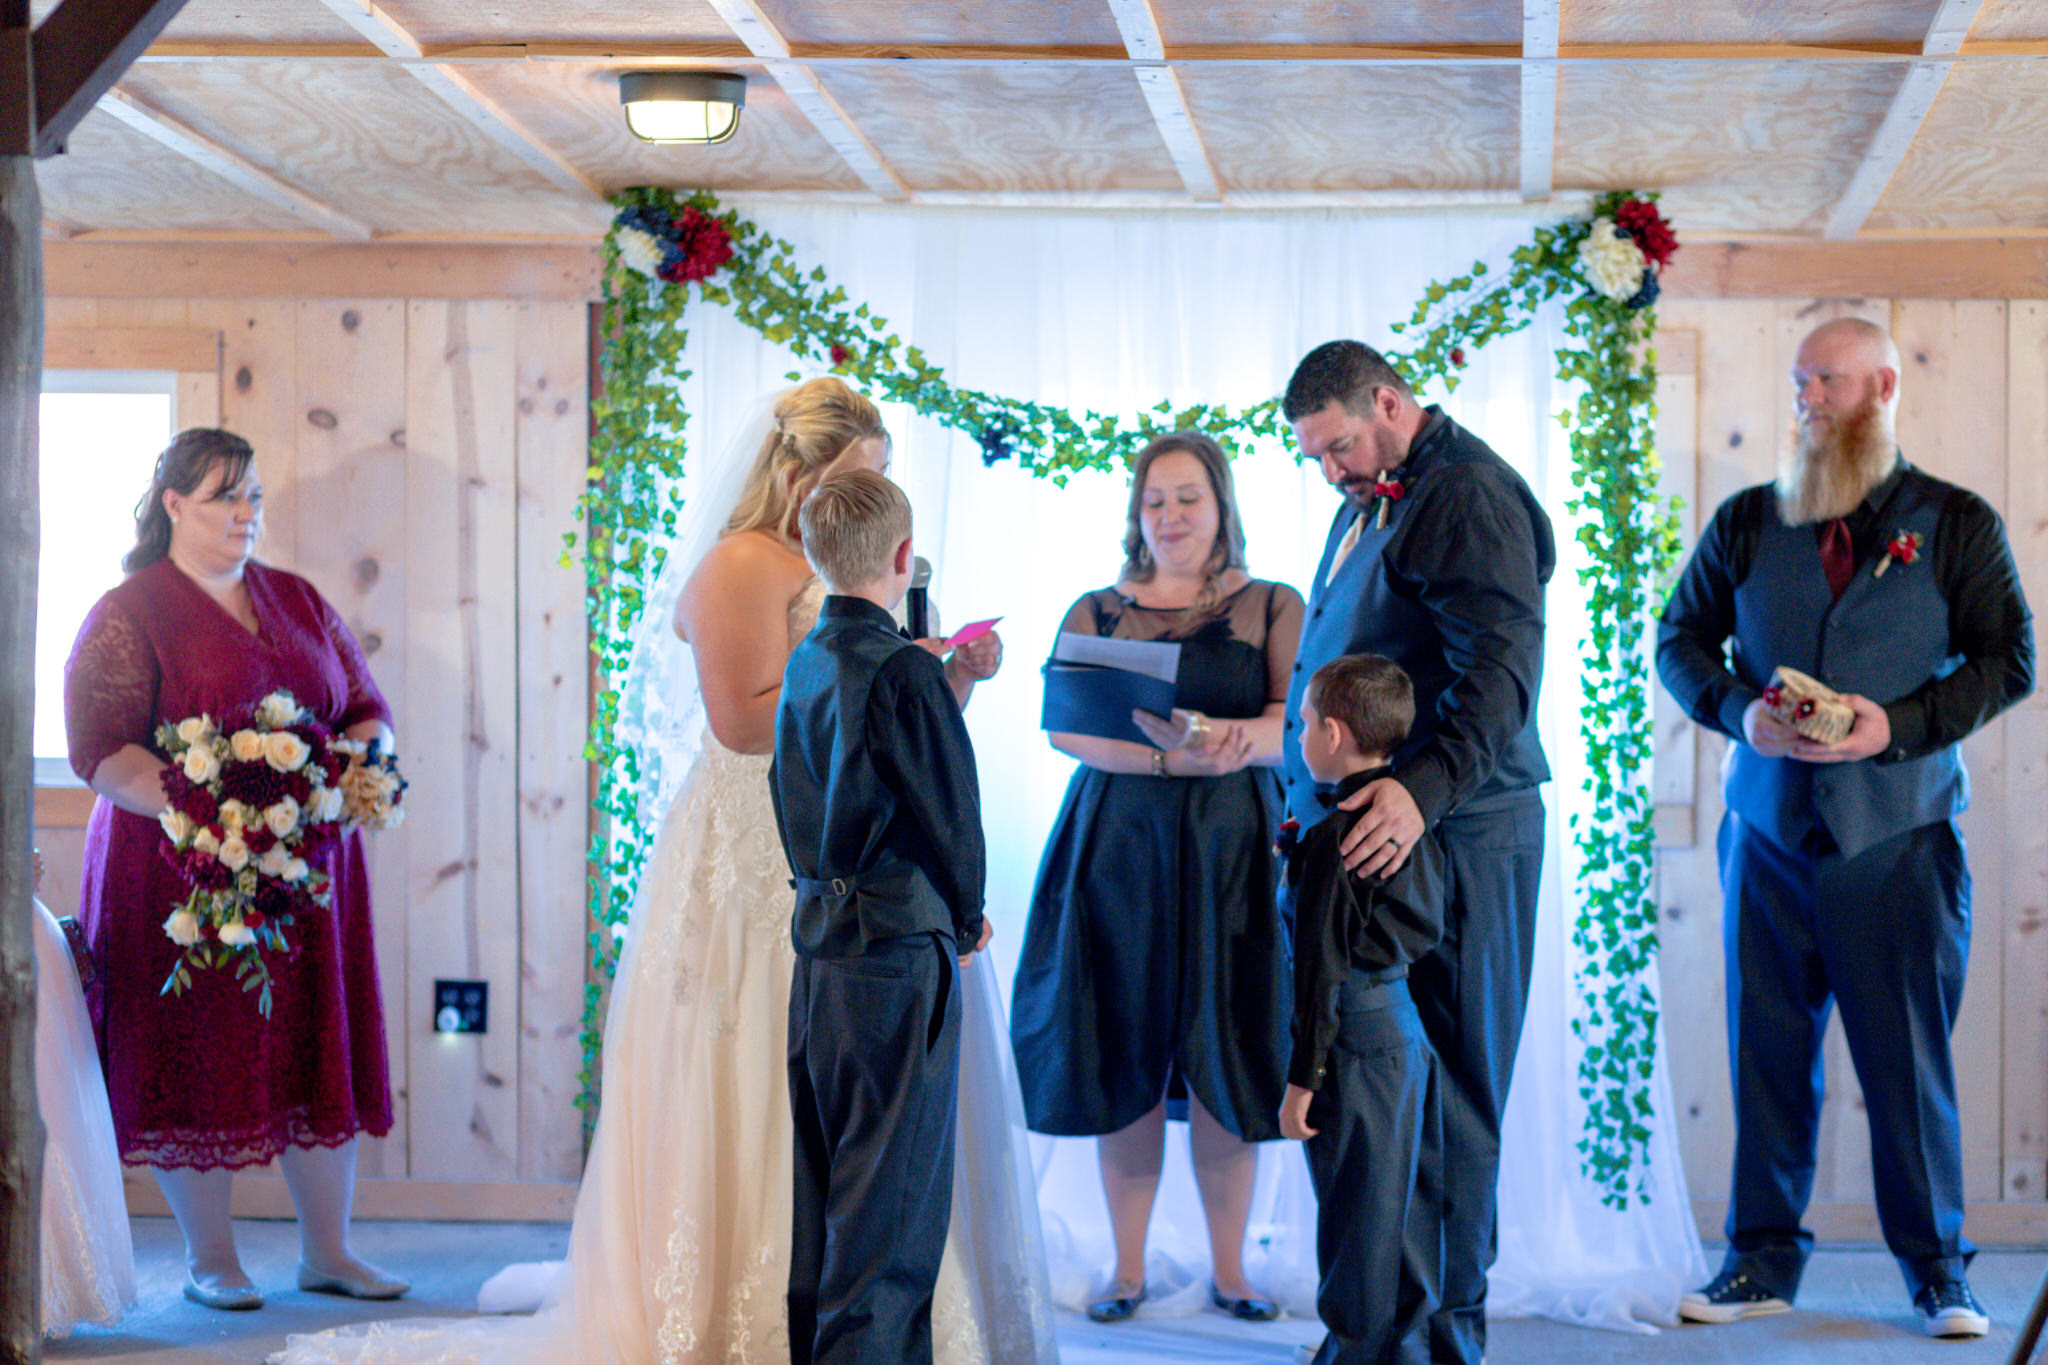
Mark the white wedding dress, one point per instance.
(88, 1272)
(679, 1253)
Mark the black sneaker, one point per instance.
(1951, 1310)
(1732, 1295)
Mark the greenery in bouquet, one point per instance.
(251, 801)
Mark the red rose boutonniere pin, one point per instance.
(1904, 547)
(1287, 838)
(1389, 491)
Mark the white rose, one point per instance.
(196, 729)
(205, 841)
(183, 928)
(177, 826)
(295, 870)
(286, 751)
(1613, 264)
(234, 815)
(328, 804)
(237, 934)
(278, 710)
(274, 861)
(202, 765)
(246, 745)
(639, 251)
(283, 817)
(234, 854)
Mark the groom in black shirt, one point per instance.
(1438, 561)
(879, 809)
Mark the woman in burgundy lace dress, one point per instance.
(201, 1084)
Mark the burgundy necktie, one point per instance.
(1837, 556)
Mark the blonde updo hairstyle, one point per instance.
(815, 423)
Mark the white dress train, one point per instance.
(680, 1247)
(88, 1273)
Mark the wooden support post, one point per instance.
(21, 1125)
(81, 50)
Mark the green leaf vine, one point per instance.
(630, 510)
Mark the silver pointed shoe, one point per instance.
(228, 1298)
(369, 1287)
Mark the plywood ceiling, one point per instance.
(499, 119)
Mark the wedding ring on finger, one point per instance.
(1198, 727)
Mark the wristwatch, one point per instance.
(1159, 763)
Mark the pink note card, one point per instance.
(973, 630)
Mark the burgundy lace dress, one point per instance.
(201, 1079)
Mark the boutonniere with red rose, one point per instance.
(1287, 838)
(1389, 491)
(1904, 547)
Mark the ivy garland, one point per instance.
(663, 243)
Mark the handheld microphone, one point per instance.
(917, 607)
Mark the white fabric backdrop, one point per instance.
(1116, 311)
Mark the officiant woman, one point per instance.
(1153, 977)
(201, 1084)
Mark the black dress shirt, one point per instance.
(1344, 923)
(1452, 590)
(1970, 559)
(875, 789)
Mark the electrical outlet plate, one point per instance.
(462, 1006)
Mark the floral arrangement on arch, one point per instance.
(251, 801)
(1624, 250)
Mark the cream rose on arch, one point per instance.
(196, 729)
(246, 745)
(1613, 264)
(234, 854)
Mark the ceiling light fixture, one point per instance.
(682, 106)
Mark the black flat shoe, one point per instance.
(1117, 1307)
(1245, 1310)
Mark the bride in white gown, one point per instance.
(88, 1262)
(679, 1252)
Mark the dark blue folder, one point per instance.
(1092, 699)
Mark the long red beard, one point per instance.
(1833, 466)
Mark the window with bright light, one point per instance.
(101, 433)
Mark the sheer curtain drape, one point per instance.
(1112, 311)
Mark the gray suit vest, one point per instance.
(1883, 639)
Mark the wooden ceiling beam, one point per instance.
(827, 55)
(765, 41)
(1909, 108)
(458, 92)
(230, 165)
(1539, 97)
(1171, 114)
(81, 49)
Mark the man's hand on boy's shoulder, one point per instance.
(1382, 838)
(988, 931)
(1294, 1114)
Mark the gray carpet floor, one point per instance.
(1852, 1310)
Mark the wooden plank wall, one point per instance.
(421, 461)
(1974, 409)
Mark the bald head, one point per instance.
(1846, 390)
(1847, 352)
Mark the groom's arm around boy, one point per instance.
(1362, 1080)
(880, 813)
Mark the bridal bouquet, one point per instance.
(250, 801)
